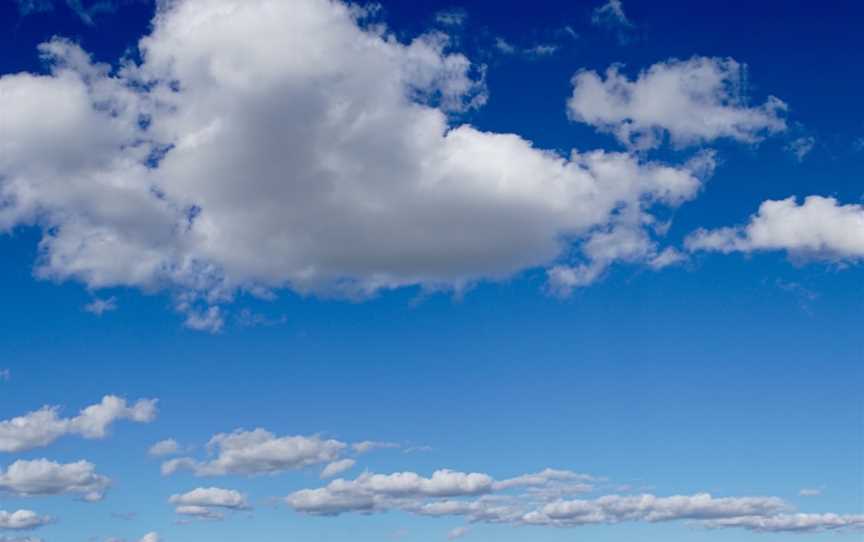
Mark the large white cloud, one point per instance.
(820, 228)
(259, 452)
(264, 145)
(690, 102)
(44, 426)
(44, 477)
(22, 519)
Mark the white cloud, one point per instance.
(336, 170)
(258, 452)
(150, 537)
(164, 447)
(44, 477)
(801, 147)
(691, 102)
(44, 426)
(337, 467)
(205, 502)
(810, 492)
(22, 519)
(101, 306)
(543, 478)
(799, 523)
(369, 445)
(458, 532)
(818, 229)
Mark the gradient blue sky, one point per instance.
(734, 374)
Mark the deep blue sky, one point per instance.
(736, 374)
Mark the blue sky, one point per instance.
(430, 270)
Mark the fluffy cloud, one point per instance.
(690, 102)
(261, 146)
(44, 426)
(258, 452)
(164, 447)
(796, 523)
(431, 496)
(820, 228)
(204, 502)
(22, 519)
(532, 500)
(615, 508)
(337, 467)
(44, 477)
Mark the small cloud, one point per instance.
(247, 318)
(810, 492)
(801, 147)
(458, 532)
(337, 467)
(369, 445)
(164, 447)
(504, 46)
(125, 516)
(101, 306)
(5, 375)
(542, 49)
(451, 17)
(85, 10)
(611, 16)
(858, 144)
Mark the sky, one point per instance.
(431, 270)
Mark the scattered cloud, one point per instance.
(258, 452)
(369, 445)
(208, 503)
(820, 228)
(86, 10)
(386, 190)
(810, 492)
(451, 17)
(164, 447)
(691, 102)
(477, 498)
(44, 477)
(611, 16)
(22, 519)
(801, 147)
(337, 467)
(101, 306)
(42, 427)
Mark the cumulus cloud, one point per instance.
(206, 502)
(164, 447)
(432, 496)
(795, 523)
(337, 467)
(44, 477)
(820, 228)
(22, 519)
(535, 500)
(690, 102)
(44, 426)
(258, 452)
(222, 164)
